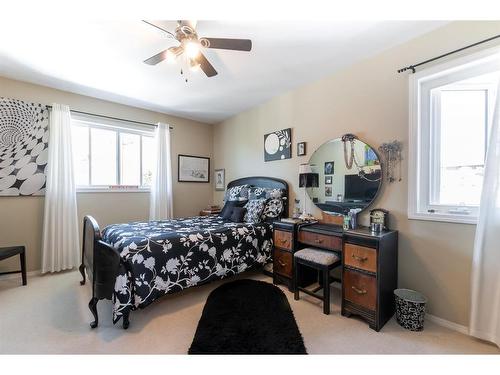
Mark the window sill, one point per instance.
(447, 218)
(107, 190)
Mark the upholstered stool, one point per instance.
(320, 260)
(7, 252)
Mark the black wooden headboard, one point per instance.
(265, 182)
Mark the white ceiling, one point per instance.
(104, 59)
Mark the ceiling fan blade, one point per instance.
(158, 25)
(159, 57)
(232, 44)
(205, 65)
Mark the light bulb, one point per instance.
(192, 49)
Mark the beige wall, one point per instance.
(21, 217)
(370, 100)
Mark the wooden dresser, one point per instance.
(369, 265)
(285, 244)
(369, 275)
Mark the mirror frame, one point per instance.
(382, 170)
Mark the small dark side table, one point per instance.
(8, 252)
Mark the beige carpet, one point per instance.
(50, 315)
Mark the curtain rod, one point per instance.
(412, 67)
(112, 118)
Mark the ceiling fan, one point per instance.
(191, 45)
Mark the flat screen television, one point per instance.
(360, 189)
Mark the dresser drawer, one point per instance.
(320, 240)
(361, 257)
(282, 262)
(360, 289)
(283, 239)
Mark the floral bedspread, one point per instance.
(164, 257)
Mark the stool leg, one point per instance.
(295, 280)
(326, 291)
(22, 256)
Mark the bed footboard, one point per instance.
(101, 261)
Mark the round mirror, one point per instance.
(349, 174)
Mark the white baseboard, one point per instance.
(446, 323)
(18, 275)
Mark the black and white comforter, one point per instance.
(164, 257)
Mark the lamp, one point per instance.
(307, 179)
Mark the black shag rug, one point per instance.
(247, 317)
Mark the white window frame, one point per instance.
(420, 162)
(119, 126)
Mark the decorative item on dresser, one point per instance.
(307, 179)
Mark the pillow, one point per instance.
(256, 193)
(237, 193)
(273, 208)
(274, 193)
(254, 210)
(264, 193)
(238, 214)
(228, 208)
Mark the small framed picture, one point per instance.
(193, 168)
(329, 167)
(301, 148)
(220, 179)
(328, 180)
(328, 191)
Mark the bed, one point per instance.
(134, 264)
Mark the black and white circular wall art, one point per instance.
(278, 145)
(24, 139)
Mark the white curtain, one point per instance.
(485, 301)
(60, 224)
(161, 205)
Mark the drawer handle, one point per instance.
(317, 240)
(283, 241)
(281, 263)
(359, 291)
(359, 259)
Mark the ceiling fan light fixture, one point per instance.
(192, 49)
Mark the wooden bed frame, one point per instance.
(102, 261)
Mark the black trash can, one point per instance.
(410, 309)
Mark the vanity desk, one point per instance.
(343, 178)
(369, 267)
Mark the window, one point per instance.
(111, 154)
(451, 110)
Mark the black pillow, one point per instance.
(227, 210)
(238, 214)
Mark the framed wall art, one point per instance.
(278, 145)
(24, 143)
(301, 148)
(193, 168)
(220, 179)
(329, 167)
